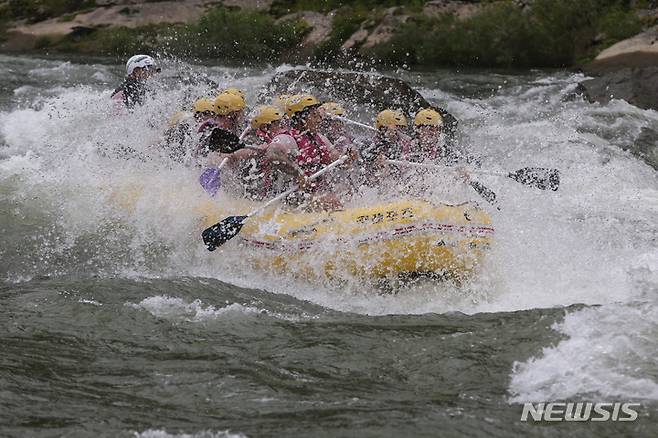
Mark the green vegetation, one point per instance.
(553, 33)
(222, 33)
(226, 33)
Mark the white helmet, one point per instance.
(139, 61)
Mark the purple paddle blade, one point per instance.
(210, 180)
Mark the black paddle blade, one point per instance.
(221, 140)
(485, 192)
(222, 232)
(538, 177)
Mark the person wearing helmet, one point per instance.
(334, 128)
(281, 102)
(314, 149)
(388, 143)
(428, 143)
(230, 112)
(235, 91)
(132, 91)
(226, 112)
(269, 170)
(204, 109)
(390, 139)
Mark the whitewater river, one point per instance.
(117, 322)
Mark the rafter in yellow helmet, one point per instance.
(428, 117)
(204, 105)
(281, 101)
(227, 103)
(333, 108)
(266, 114)
(390, 117)
(236, 91)
(300, 102)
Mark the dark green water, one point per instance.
(104, 357)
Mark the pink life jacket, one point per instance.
(313, 151)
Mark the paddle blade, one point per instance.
(484, 191)
(538, 177)
(222, 232)
(221, 140)
(210, 180)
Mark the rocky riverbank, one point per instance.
(502, 33)
(628, 70)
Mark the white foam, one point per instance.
(161, 433)
(609, 352)
(166, 307)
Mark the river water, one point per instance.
(118, 322)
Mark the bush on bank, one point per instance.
(553, 33)
(221, 33)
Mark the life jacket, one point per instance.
(131, 92)
(411, 151)
(393, 150)
(256, 173)
(313, 151)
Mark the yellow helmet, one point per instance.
(234, 91)
(203, 105)
(390, 117)
(300, 102)
(282, 101)
(266, 114)
(178, 117)
(227, 103)
(428, 117)
(333, 108)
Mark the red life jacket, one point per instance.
(313, 151)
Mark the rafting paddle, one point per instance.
(210, 177)
(221, 140)
(228, 228)
(486, 193)
(537, 177)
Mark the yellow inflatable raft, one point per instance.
(384, 241)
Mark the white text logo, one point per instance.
(579, 411)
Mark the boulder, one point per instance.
(646, 146)
(636, 52)
(638, 86)
(627, 70)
